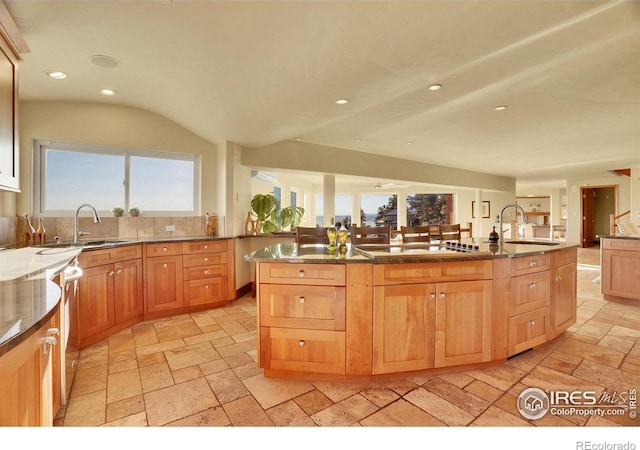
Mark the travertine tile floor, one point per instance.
(200, 369)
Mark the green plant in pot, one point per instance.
(271, 217)
(118, 211)
(291, 216)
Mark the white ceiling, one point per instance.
(256, 73)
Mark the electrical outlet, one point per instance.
(170, 228)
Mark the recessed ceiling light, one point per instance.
(435, 87)
(56, 74)
(298, 139)
(108, 62)
(342, 101)
(108, 92)
(410, 143)
(358, 140)
(501, 108)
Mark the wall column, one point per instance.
(329, 197)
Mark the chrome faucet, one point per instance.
(510, 205)
(96, 219)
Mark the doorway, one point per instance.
(598, 203)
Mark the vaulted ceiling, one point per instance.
(256, 73)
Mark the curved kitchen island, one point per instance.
(374, 312)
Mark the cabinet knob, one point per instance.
(432, 296)
(47, 342)
(118, 272)
(164, 249)
(206, 259)
(206, 272)
(442, 295)
(301, 300)
(532, 263)
(206, 286)
(111, 272)
(301, 343)
(532, 323)
(558, 278)
(206, 247)
(164, 266)
(301, 273)
(532, 286)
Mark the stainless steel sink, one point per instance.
(96, 243)
(524, 242)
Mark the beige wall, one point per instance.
(109, 125)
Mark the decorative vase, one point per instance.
(332, 235)
(41, 234)
(29, 231)
(250, 225)
(343, 234)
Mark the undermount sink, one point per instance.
(521, 242)
(96, 243)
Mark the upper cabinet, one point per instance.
(11, 46)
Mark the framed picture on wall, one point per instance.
(486, 210)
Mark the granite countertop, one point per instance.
(28, 296)
(612, 236)
(399, 253)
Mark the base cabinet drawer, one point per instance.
(530, 292)
(528, 330)
(200, 292)
(320, 351)
(213, 270)
(311, 274)
(312, 307)
(529, 264)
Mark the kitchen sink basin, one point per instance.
(523, 242)
(96, 243)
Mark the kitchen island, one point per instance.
(620, 267)
(374, 312)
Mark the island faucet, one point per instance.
(96, 219)
(510, 205)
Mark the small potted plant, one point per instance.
(134, 211)
(118, 211)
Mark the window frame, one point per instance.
(40, 170)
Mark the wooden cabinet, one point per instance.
(302, 317)
(420, 326)
(110, 295)
(9, 150)
(206, 272)
(28, 378)
(164, 283)
(529, 316)
(620, 265)
(564, 294)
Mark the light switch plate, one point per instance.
(171, 228)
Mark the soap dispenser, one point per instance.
(494, 236)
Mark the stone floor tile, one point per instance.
(186, 374)
(592, 352)
(214, 366)
(182, 357)
(181, 400)
(212, 335)
(246, 412)
(438, 407)
(273, 391)
(134, 420)
(155, 376)
(89, 380)
(93, 356)
(122, 355)
(313, 401)
(459, 379)
(152, 358)
(121, 366)
(123, 385)
(616, 343)
(212, 417)
(289, 414)
(121, 342)
(484, 391)
(247, 370)
(401, 414)
(496, 417)
(86, 410)
(179, 331)
(337, 391)
(159, 347)
(346, 412)
(459, 397)
(226, 386)
(126, 407)
(379, 395)
(559, 365)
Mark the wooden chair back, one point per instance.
(415, 234)
(450, 232)
(434, 232)
(311, 235)
(371, 235)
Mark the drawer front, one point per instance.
(309, 274)
(89, 258)
(387, 274)
(318, 351)
(529, 292)
(201, 292)
(204, 246)
(204, 259)
(564, 257)
(199, 272)
(312, 307)
(164, 249)
(621, 244)
(530, 264)
(528, 330)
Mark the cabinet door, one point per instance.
(95, 301)
(621, 273)
(202, 292)
(128, 290)
(463, 323)
(9, 174)
(529, 292)
(164, 283)
(403, 327)
(528, 330)
(563, 299)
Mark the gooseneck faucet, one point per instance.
(96, 219)
(510, 205)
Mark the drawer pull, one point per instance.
(164, 249)
(532, 263)
(532, 323)
(206, 286)
(532, 286)
(52, 331)
(206, 259)
(206, 247)
(48, 342)
(301, 273)
(442, 295)
(206, 272)
(558, 278)
(164, 265)
(432, 296)
(301, 300)
(301, 343)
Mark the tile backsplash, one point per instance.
(12, 228)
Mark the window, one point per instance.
(68, 175)
(343, 209)
(294, 199)
(319, 205)
(277, 193)
(380, 209)
(429, 209)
